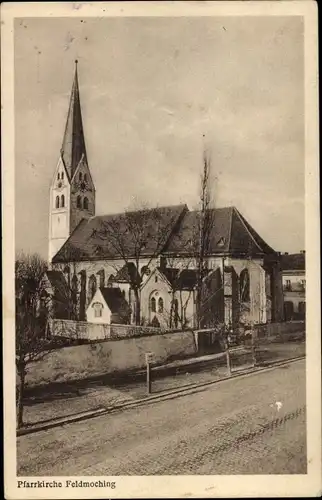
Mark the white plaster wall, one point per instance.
(90, 312)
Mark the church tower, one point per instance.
(72, 192)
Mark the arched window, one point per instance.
(153, 305)
(244, 286)
(160, 305)
(57, 202)
(101, 278)
(74, 291)
(58, 176)
(79, 202)
(92, 286)
(85, 203)
(176, 312)
(62, 175)
(62, 200)
(85, 177)
(80, 176)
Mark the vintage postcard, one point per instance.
(161, 289)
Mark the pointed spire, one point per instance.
(73, 147)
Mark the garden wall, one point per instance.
(275, 329)
(106, 357)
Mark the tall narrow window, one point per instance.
(62, 200)
(58, 176)
(79, 202)
(74, 295)
(57, 202)
(153, 305)
(160, 305)
(85, 177)
(85, 203)
(62, 175)
(80, 177)
(92, 286)
(176, 312)
(244, 286)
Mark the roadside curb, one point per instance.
(171, 394)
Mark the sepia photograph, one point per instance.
(160, 260)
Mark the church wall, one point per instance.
(91, 271)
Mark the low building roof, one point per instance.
(293, 262)
(185, 279)
(114, 299)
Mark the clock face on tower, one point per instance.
(82, 186)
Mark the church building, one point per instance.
(242, 280)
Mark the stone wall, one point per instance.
(81, 330)
(107, 357)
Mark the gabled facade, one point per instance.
(108, 306)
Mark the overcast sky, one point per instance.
(150, 88)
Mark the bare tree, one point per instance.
(205, 223)
(71, 297)
(135, 237)
(31, 317)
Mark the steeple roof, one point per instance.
(73, 146)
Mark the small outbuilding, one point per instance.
(108, 306)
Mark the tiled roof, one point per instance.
(94, 239)
(165, 230)
(293, 262)
(230, 233)
(114, 299)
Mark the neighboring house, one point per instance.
(243, 279)
(108, 306)
(293, 271)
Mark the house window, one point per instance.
(80, 177)
(303, 283)
(244, 286)
(153, 305)
(160, 305)
(85, 177)
(302, 309)
(156, 279)
(62, 199)
(288, 285)
(98, 307)
(58, 176)
(85, 203)
(79, 202)
(62, 175)
(57, 202)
